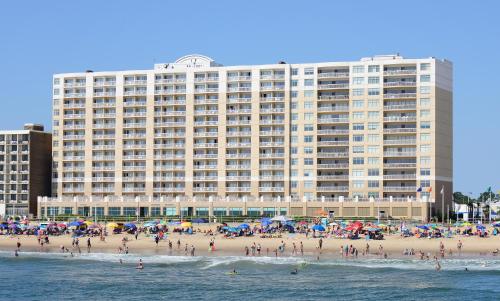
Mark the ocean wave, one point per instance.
(208, 262)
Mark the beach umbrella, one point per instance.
(466, 224)
(112, 225)
(130, 226)
(163, 223)
(75, 224)
(423, 227)
(244, 226)
(281, 219)
(497, 224)
(88, 223)
(200, 220)
(318, 228)
(61, 225)
(480, 227)
(265, 221)
(186, 224)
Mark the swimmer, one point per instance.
(438, 266)
(233, 272)
(16, 253)
(140, 266)
(466, 269)
(121, 261)
(294, 272)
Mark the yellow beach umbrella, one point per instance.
(186, 224)
(466, 224)
(88, 223)
(112, 225)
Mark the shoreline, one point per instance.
(392, 245)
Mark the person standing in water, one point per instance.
(140, 266)
(89, 245)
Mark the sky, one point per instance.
(38, 40)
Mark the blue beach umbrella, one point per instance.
(480, 227)
(130, 226)
(423, 227)
(244, 226)
(75, 224)
(318, 228)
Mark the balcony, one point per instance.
(400, 119)
(272, 121)
(238, 122)
(134, 103)
(201, 145)
(74, 84)
(134, 157)
(135, 92)
(400, 84)
(134, 136)
(104, 83)
(103, 179)
(239, 134)
(399, 130)
(332, 177)
(205, 166)
(272, 76)
(400, 154)
(333, 86)
(400, 188)
(272, 110)
(205, 178)
(169, 189)
(135, 82)
(239, 78)
(204, 189)
(272, 155)
(333, 132)
(333, 188)
(333, 120)
(271, 189)
(238, 178)
(271, 166)
(134, 189)
(170, 91)
(169, 167)
(333, 97)
(272, 133)
(400, 72)
(105, 115)
(74, 105)
(205, 112)
(401, 177)
(105, 94)
(73, 158)
(271, 178)
(206, 134)
(239, 111)
(170, 80)
(333, 109)
(238, 189)
(239, 89)
(332, 155)
(400, 165)
(74, 116)
(134, 114)
(333, 143)
(103, 158)
(239, 99)
(333, 166)
(272, 99)
(169, 156)
(239, 167)
(104, 104)
(169, 145)
(206, 79)
(134, 125)
(272, 144)
(400, 142)
(399, 95)
(238, 144)
(206, 122)
(239, 156)
(170, 135)
(400, 107)
(205, 156)
(333, 74)
(272, 88)
(74, 95)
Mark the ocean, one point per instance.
(55, 276)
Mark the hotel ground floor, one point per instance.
(151, 208)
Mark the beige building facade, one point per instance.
(375, 130)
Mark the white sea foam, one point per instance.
(208, 262)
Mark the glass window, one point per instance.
(425, 137)
(308, 150)
(295, 83)
(293, 150)
(308, 82)
(373, 137)
(358, 149)
(308, 139)
(295, 71)
(425, 124)
(358, 69)
(358, 92)
(425, 171)
(308, 116)
(294, 94)
(373, 172)
(425, 160)
(56, 81)
(373, 114)
(294, 127)
(358, 184)
(308, 127)
(358, 160)
(425, 66)
(358, 126)
(309, 71)
(358, 103)
(308, 161)
(373, 103)
(357, 138)
(308, 93)
(373, 125)
(373, 160)
(425, 78)
(358, 115)
(358, 80)
(425, 90)
(295, 116)
(373, 184)
(294, 161)
(308, 105)
(294, 105)
(373, 80)
(373, 68)
(373, 149)
(425, 102)
(358, 173)
(294, 139)
(373, 91)
(114, 211)
(425, 148)
(425, 113)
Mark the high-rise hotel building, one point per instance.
(375, 129)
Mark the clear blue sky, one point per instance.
(38, 39)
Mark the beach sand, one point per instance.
(393, 245)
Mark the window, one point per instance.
(373, 160)
(358, 126)
(308, 116)
(308, 82)
(293, 150)
(357, 138)
(425, 124)
(372, 172)
(373, 80)
(358, 80)
(373, 114)
(295, 71)
(295, 116)
(373, 125)
(308, 150)
(425, 78)
(373, 68)
(295, 83)
(294, 139)
(294, 105)
(373, 103)
(358, 92)
(294, 94)
(308, 105)
(358, 184)
(358, 149)
(56, 112)
(425, 66)
(425, 90)
(425, 113)
(56, 91)
(308, 127)
(294, 184)
(294, 127)
(358, 115)
(358, 69)
(308, 139)
(373, 137)
(425, 148)
(425, 171)
(373, 149)
(373, 184)
(425, 183)
(308, 184)
(358, 160)
(425, 102)
(294, 173)
(308, 161)
(308, 173)
(373, 91)
(425, 160)
(309, 71)
(358, 103)
(308, 93)
(425, 137)
(372, 194)
(294, 161)
(358, 173)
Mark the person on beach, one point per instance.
(247, 251)
(259, 248)
(438, 266)
(459, 247)
(170, 245)
(178, 244)
(89, 245)
(294, 249)
(18, 244)
(136, 234)
(16, 253)
(186, 249)
(367, 249)
(301, 249)
(192, 250)
(320, 243)
(157, 240)
(276, 252)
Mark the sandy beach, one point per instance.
(393, 245)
